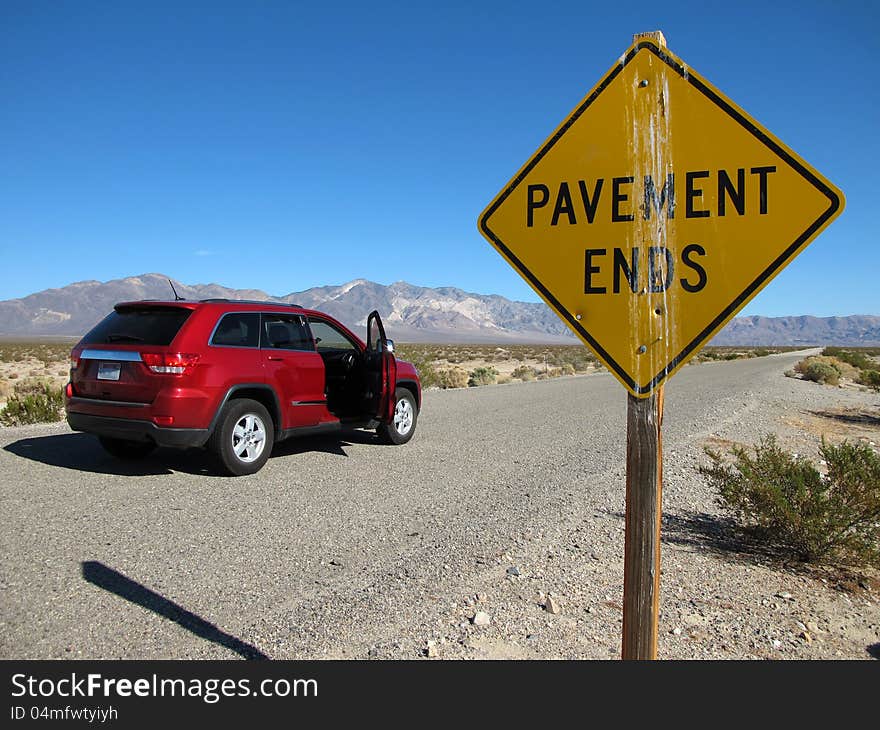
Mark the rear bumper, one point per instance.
(134, 430)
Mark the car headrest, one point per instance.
(278, 334)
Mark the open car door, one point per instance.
(381, 371)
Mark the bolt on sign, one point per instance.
(654, 213)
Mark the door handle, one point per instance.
(275, 359)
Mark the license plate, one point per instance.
(108, 371)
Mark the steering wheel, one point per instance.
(347, 360)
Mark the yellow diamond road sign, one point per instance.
(654, 213)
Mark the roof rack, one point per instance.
(263, 302)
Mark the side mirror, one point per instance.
(389, 345)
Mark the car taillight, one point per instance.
(68, 390)
(170, 363)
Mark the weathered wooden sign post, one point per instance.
(652, 214)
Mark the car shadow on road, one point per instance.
(328, 444)
(115, 582)
(82, 452)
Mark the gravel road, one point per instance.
(344, 548)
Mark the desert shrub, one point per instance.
(33, 403)
(425, 367)
(760, 352)
(784, 500)
(856, 359)
(483, 376)
(452, 378)
(861, 368)
(567, 369)
(427, 373)
(504, 380)
(576, 356)
(810, 370)
(33, 386)
(524, 372)
(871, 378)
(820, 372)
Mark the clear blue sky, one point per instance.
(282, 145)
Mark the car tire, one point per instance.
(126, 450)
(243, 438)
(403, 424)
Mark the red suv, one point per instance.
(235, 376)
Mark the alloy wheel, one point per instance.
(403, 416)
(249, 438)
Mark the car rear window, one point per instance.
(139, 326)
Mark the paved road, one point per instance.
(338, 547)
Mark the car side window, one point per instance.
(237, 329)
(328, 338)
(285, 332)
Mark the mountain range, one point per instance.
(410, 313)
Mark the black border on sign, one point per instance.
(749, 126)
